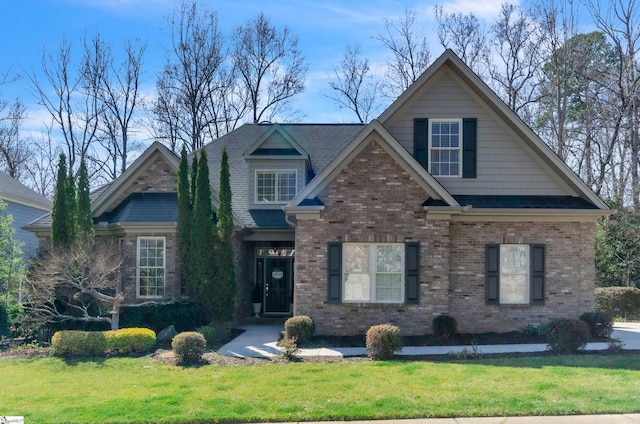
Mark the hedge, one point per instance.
(102, 343)
(618, 302)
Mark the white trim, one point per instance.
(277, 172)
(164, 265)
(248, 154)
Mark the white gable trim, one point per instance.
(531, 138)
(249, 153)
(124, 181)
(392, 147)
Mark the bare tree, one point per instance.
(70, 96)
(272, 68)
(354, 87)
(410, 54)
(464, 35)
(14, 149)
(76, 284)
(517, 43)
(119, 93)
(41, 169)
(194, 85)
(619, 21)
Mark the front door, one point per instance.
(278, 278)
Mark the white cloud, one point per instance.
(483, 9)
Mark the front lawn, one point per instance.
(125, 390)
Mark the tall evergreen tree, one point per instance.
(62, 217)
(226, 273)
(194, 178)
(84, 216)
(185, 211)
(203, 255)
(72, 208)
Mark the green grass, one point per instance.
(126, 390)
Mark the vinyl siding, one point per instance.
(22, 215)
(505, 165)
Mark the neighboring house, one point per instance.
(24, 205)
(446, 204)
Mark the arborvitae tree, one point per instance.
(194, 178)
(203, 256)
(226, 276)
(72, 208)
(185, 211)
(84, 216)
(61, 231)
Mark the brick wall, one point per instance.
(158, 177)
(374, 200)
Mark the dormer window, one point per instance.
(275, 186)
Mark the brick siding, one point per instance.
(374, 200)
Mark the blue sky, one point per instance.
(323, 28)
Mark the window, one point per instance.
(515, 274)
(276, 186)
(445, 143)
(151, 266)
(373, 272)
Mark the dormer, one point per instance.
(278, 169)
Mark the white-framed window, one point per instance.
(276, 186)
(373, 273)
(514, 273)
(445, 147)
(150, 267)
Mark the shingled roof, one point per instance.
(322, 142)
(14, 191)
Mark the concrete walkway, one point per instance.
(566, 419)
(259, 341)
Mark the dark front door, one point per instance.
(278, 285)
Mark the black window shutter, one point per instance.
(537, 274)
(469, 147)
(492, 274)
(334, 273)
(412, 272)
(421, 142)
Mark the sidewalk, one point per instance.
(566, 419)
(259, 341)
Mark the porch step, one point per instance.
(266, 320)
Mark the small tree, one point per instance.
(61, 231)
(75, 284)
(84, 216)
(185, 210)
(226, 274)
(203, 241)
(11, 267)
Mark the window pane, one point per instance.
(151, 273)
(357, 288)
(389, 258)
(286, 186)
(389, 287)
(514, 273)
(356, 258)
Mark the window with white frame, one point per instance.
(275, 186)
(514, 273)
(373, 272)
(151, 266)
(445, 147)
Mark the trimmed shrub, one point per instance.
(383, 341)
(129, 340)
(301, 327)
(189, 347)
(618, 302)
(183, 316)
(444, 326)
(209, 332)
(600, 323)
(289, 348)
(567, 335)
(79, 343)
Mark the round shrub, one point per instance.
(209, 332)
(129, 340)
(383, 341)
(301, 327)
(600, 323)
(79, 343)
(618, 302)
(567, 335)
(188, 347)
(444, 326)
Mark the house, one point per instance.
(446, 204)
(24, 205)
